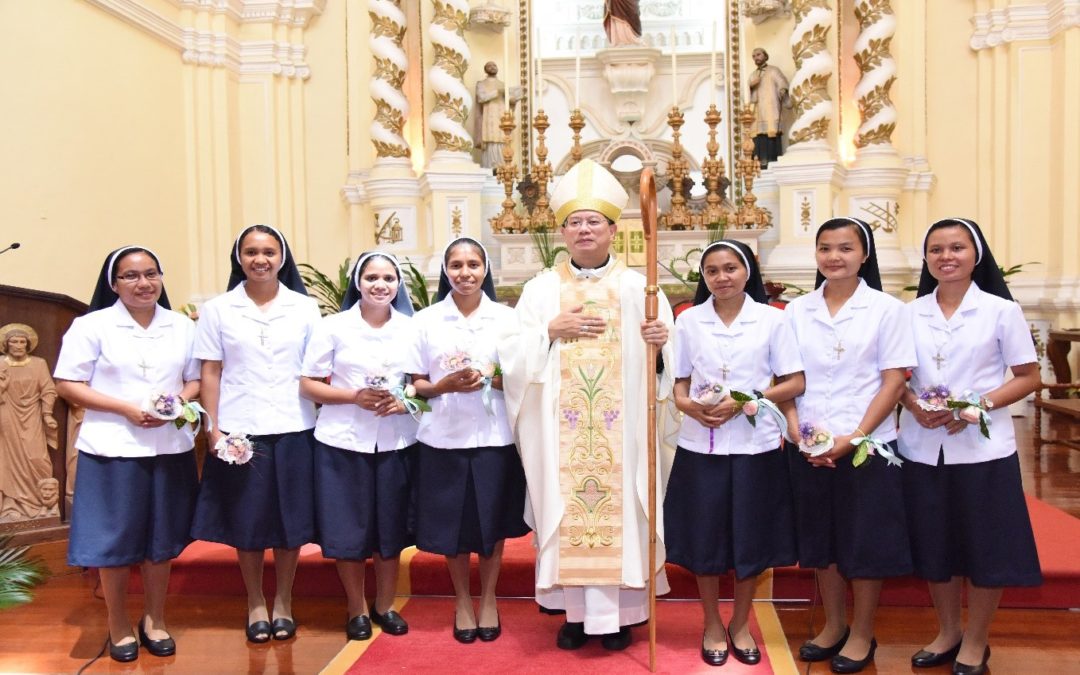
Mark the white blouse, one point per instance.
(445, 339)
(844, 356)
(261, 354)
(972, 350)
(353, 355)
(116, 356)
(743, 356)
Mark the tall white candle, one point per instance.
(674, 74)
(506, 67)
(577, 71)
(712, 65)
(539, 72)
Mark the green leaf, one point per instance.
(740, 397)
(418, 289)
(18, 575)
(327, 292)
(422, 404)
(861, 454)
(983, 429)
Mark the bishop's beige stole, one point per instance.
(591, 435)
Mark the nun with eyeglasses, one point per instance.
(470, 484)
(963, 494)
(355, 368)
(137, 480)
(251, 341)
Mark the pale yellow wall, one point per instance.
(109, 137)
(91, 146)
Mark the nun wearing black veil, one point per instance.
(470, 484)
(856, 347)
(251, 341)
(964, 499)
(137, 478)
(355, 367)
(727, 506)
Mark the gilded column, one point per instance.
(877, 25)
(391, 63)
(814, 67)
(452, 97)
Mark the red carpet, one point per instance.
(527, 644)
(211, 569)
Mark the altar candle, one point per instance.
(712, 65)
(506, 67)
(674, 74)
(539, 72)
(577, 72)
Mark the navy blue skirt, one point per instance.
(729, 512)
(469, 500)
(851, 516)
(971, 520)
(364, 502)
(131, 509)
(267, 503)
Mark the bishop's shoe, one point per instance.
(614, 642)
(571, 636)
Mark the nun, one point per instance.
(470, 485)
(137, 476)
(251, 340)
(963, 495)
(728, 503)
(856, 347)
(354, 366)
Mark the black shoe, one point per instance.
(258, 632)
(391, 622)
(465, 635)
(162, 647)
(750, 656)
(284, 628)
(124, 653)
(571, 636)
(358, 628)
(842, 664)
(614, 642)
(964, 669)
(812, 652)
(490, 633)
(713, 657)
(925, 659)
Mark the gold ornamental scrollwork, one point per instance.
(877, 69)
(390, 65)
(809, 91)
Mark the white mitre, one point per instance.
(588, 187)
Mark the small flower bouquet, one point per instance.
(814, 440)
(970, 409)
(867, 445)
(488, 370)
(934, 399)
(163, 406)
(708, 393)
(234, 449)
(414, 405)
(752, 404)
(175, 409)
(455, 361)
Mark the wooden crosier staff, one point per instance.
(647, 189)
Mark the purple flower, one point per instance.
(572, 416)
(806, 430)
(609, 418)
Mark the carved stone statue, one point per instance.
(622, 23)
(490, 108)
(768, 93)
(27, 429)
